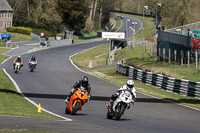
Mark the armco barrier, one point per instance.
(179, 86)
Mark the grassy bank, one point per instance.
(117, 25)
(95, 57)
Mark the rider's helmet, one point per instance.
(130, 84)
(84, 81)
(19, 58)
(33, 57)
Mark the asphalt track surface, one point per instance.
(54, 77)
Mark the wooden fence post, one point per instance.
(181, 57)
(196, 58)
(159, 54)
(175, 56)
(169, 55)
(163, 54)
(188, 59)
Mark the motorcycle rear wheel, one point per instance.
(67, 111)
(75, 108)
(16, 71)
(109, 116)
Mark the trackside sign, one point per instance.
(113, 35)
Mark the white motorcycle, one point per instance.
(119, 105)
(17, 67)
(32, 65)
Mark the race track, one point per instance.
(55, 75)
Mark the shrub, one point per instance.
(21, 30)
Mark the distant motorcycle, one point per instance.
(32, 66)
(119, 105)
(77, 100)
(17, 67)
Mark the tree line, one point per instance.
(87, 15)
(58, 15)
(173, 13)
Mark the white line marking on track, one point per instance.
(35, 104)
(6, 60)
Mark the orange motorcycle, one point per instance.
(77, 100)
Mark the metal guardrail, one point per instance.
(182, 29)
(179, 86)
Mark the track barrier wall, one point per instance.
(179, 86)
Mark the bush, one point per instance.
(42, 30)
(21, 30)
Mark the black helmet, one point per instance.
(84, 81)
(33, 57)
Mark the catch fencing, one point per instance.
(179, 86)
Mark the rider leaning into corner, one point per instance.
(18, 59)
(84, 82)
(129, 87)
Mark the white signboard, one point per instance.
(113, 35)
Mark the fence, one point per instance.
(183, 29)
(179, 86)
(178, 54)
(35, 37)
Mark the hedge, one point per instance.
(21, 30)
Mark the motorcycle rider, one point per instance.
(32, 59)
(129, 87)
(18, 59)
(84, 82)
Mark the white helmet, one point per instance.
(130, 84)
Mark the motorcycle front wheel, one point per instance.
(75, 108)
(121, 110)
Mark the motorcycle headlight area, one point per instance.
(127, 93)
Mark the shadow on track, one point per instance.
(103, 98)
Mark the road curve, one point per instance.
(55, 75)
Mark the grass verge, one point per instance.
(117, 25)
(93, 57)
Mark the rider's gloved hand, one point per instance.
(134, 99)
